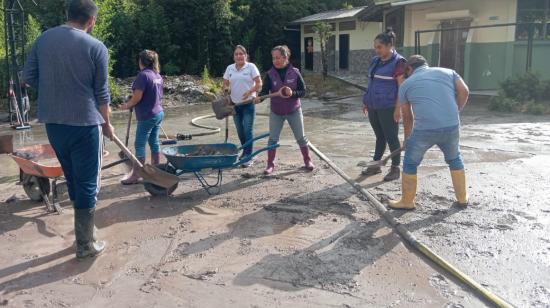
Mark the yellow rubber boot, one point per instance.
(408, 194)
(459, 183)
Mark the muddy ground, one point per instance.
(296, 238)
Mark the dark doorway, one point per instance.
(344, 51)
(331, 50)
(453, 44)
(308, 43)
(293, 42)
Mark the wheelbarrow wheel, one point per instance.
(156, 190)
(32, 184)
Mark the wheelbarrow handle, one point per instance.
(250, 142)
(250, 156)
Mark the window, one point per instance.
(395, 21)
(534, 11)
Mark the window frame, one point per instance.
(542, 30)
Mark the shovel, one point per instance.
(382, 162)
(149, 173)
(127, 139)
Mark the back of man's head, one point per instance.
(80, 11)
(416, 61)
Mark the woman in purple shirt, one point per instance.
(146, 99)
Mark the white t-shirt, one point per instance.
(241, 80)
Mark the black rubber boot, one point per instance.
(86, 243)
(393, 175)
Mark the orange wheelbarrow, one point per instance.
(39, 171)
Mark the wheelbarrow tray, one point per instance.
(179, 158)
(38, 160)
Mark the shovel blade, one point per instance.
(6, 144)
(158, 177)
(222, 107)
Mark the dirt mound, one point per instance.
(178, 90)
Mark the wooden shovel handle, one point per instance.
(127, 152)
(129, 125)
(270, 95)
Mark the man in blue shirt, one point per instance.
(70, 70)
(431, 99)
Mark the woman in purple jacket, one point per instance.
(287, 80)
(380, 101)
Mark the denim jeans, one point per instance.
(79, 150)
(296, 122)
(420, 141)
(148, 131)
(244, 122)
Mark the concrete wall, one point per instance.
(361, 45)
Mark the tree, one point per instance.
(324, 33)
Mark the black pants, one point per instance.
(386, 131)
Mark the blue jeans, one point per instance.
(244, 122)
(420, 141)
(148, 131)
(79, 150)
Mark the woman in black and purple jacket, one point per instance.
(287, 80)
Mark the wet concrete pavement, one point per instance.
(502, 240)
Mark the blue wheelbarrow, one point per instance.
(197, 158)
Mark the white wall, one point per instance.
(483, 12)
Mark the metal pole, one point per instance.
(417, 42)
(7, 61)
(13, 55)
(22, 35)
(529, 60)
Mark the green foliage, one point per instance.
(324, 33)
(189, 34)
(213, 85)
(524, 93)
(205, 75)
(524, 87)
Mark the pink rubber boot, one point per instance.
(270, 162)
(308, 164)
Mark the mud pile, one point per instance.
(178, 90)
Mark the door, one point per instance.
(308, 43)
(293, 42)
(331, 50)
(344, 51)
(453, 45)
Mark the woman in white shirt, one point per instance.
(242, 79)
